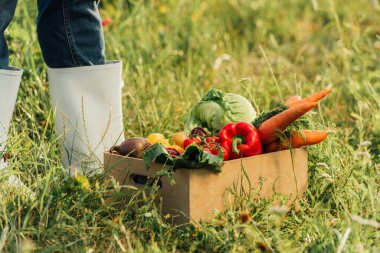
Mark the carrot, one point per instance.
(270, 128)
(313, 98)
(303, 138)
(271, 147)
(298, 139)
(293, 99)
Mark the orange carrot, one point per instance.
(270, 128)
(303, 138)
(293, 99)
(271, 147)
(298, 139)
(313, 98)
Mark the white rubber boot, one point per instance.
(87, 102)
(9, 85)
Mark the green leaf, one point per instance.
(192, 158)
(157, 153)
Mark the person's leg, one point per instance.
(85, 89)
(70, 33)
(7, 10)
(10, 79)
(9, 84)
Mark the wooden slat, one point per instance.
(198, 192)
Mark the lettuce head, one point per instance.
(216, 109)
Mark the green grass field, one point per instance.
(173, 52)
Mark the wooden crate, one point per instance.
(197, 193)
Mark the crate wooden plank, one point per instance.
(198, 192)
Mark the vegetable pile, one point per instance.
(224, 126)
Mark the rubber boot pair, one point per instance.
(88, 115)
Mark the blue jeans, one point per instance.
(69, 32)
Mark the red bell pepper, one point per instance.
(241, 139)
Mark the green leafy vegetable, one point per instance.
(192, 158)
(157, 153)
(216, 109)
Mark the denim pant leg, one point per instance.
(70, 33)
(7, 10)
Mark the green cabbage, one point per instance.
(216, 109)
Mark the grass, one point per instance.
(173, 52)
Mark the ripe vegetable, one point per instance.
(297, 139)
(179, 138)
(188, 142)
(178, 148)
(216, 148)
(212, 145)
(303, 138)
(313, 98)
(212, 139)
(270, 128)
(271, 147)
(133, 147)
(293, 99)
(198, 131)
(241, 139)
(173, 152)
(158, 138)
(209, 144)
(265, 115)
(216, 109)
